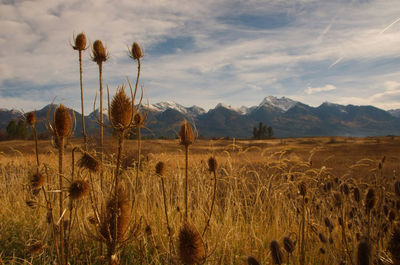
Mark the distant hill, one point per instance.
(288, 118)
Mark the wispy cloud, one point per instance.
(326, 88)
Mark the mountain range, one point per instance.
(287, 117)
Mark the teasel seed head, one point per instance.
(344, 188)
(121, 110)
(31, 118)
(191, 247)
(186, 134)
(62, 121)
(138, 119)
(252, 261)
(212, 164)
(302, 188)
(337, 198)
(397, 188)
(363, 253)
(135, 52)
(37, 181)
(80, 42)
(276, 252)
(322, 238)
(99, 52)
(288, 244)
(356, 194)
(370, 200)
(89, 162)
(160, 168)
(78, 189)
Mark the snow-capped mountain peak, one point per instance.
(163, 106)
(283, 103)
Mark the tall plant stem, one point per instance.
(83, 114)
(302, 242)
(212, 203)
(36, 148)
(60, 173)
(166, 216)
(139, 147)
(101, 122)
(186, 180)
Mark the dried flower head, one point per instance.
(370, 200)
(191, 247)
(78, 189)
(121, 110)
(212, 164)
(302, 188)
(252, 261)
(31, 118)
(138, 119)
(160, 168)
(135, 52)
(356, 194)
(288, 244)
(36, 180)
(89, 162)
(99, 52)
(80, 42)
(62, 121)
(276, 252)
(363, 253)
(186, 134)
(337, 199)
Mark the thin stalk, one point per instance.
(212, 203)
(186, 180)
(166, 216)
(302, 242)
(83, 114)
(101, 122)
(60, 172)
(139, 146)
(36, 148)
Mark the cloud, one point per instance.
(326, 88)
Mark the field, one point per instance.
(323, 200)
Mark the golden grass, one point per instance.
(257, 199)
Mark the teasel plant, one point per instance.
(212, 167)
(80, 46)
(63, 127)
(121, 114)
(186, 136)
(99, 56)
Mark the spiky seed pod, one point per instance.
(80, 42)
(370, 200)
(191, 247)
(392, 215)
(322, 238)
(121, 109)
(356, 194)
(138, 119)
(288, 244)
(329, 185)
(62, 121)
(160, 168)
(337, 199)
(252, 261)
(37, 181)
(89, 162)
(212, 164)
(99, 52)
(363, 253)
(78, 189)
(122, 212)
(136, 52)
(397, 188)
(328, 224)
(344, 188)
(186, 134)
(302, 188)
(394, 245)
(31, 118)
(276, 252)
(35, 248)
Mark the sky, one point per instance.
(204, 52)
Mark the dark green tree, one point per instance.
(260, 132)
(270, 132)
(11, 129)
(22, 130)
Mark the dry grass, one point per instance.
(257, 199)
